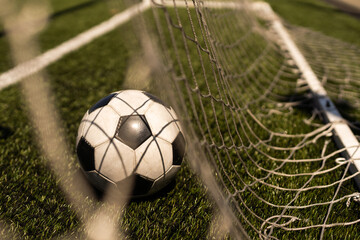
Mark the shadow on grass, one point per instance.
(346, 110)
(343, 106)
(307, 103)
(99, 195)
(162, 193)
(5, 132)
(344, 7)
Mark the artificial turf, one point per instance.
(319, 16)
(30, 199)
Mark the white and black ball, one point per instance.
(130, 135)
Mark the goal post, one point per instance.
(342, 134)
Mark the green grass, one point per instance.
(31, 201)
(229, 169)
(339, 25)
(319, 16)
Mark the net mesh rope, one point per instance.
(337, 66)
(254, 114)
(270, 153)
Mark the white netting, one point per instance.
(275, 172)
(254, 114)
(337, 66)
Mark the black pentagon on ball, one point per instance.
(104, 101)
(97, 180)
(178, 149)
(85, 153)
(156, 99)
(133, 130)
(141, 185)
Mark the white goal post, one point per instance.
(342, 134)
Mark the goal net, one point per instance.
(255, 135)
(273, 157)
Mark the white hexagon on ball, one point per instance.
(114, 160)
(99, 126)
(121, 102)
(153, 158)
(161, 122)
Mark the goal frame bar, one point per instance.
(342, 134)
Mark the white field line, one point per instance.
(343, 135)
(36, 64)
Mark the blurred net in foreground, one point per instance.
(23, 22)
(264, 154)
(242, 94)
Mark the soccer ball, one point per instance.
(127, 136)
